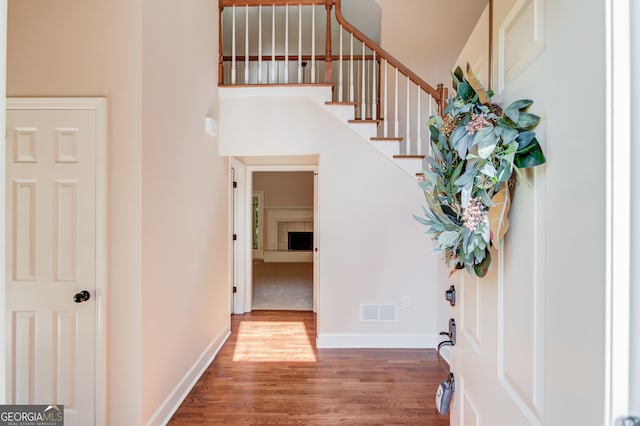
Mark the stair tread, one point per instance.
(408, 156)
(378, 139)
(368, 120)
(341, 103)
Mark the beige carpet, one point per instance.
(282, 286)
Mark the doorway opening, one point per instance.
(282, 231)
(269, 202)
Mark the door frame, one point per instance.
(244, 280)
(99, 106)
(622, 193)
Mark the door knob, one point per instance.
(83, 296)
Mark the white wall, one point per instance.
(78, 48)
(185, 187)
(371, 249)
(428, 35)
(635, 211)
(167, 295)
(476, 50)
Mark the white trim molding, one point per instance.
(173, 401)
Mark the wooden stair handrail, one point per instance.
(439, 94)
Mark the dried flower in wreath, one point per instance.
(476, 148)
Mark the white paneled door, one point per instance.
(52, 257)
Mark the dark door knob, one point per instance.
(83, 296)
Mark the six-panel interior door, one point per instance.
(51, 256)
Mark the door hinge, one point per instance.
(235, 237)
(235, 184)
(235, 289)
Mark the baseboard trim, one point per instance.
(386, 341)
(171, 404)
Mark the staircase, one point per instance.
(271, 45)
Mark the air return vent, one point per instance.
(369, 312)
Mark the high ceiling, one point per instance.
(417, 31)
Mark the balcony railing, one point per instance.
(310, 42)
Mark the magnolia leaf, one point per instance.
(526, 120)
(520, 105)
(499, 215)
(465, 91)
(531, 156)
(474, 82)
(525, 138)
(457, 77)
(482, 268)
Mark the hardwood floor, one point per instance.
(270, 373)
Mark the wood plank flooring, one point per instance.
(270, 373)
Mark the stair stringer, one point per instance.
(321, 95)
(371, 250)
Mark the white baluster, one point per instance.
(286, 44)
(386, 103)
(260, 44)
(419, 124)
(233, 44)
(313, 44)
(374, 86)
(351, 89)
(408, 119)
(272, 77)
(396, 122)
(340, 67)
(246, 45)
(300, 77)
(363, 94)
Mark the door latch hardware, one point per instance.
(82, 296)
(450, 295)
(445, 394)
(452, 332)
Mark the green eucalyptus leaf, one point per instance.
(448, 238)
(486, 140)
(506, 134)
(487, 169)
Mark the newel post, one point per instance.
(328, 78)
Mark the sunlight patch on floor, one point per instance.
(269, 341)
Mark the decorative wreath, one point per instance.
(476, 149)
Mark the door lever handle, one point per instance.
(82, 296)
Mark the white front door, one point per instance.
(532, 335)
(51, 264)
